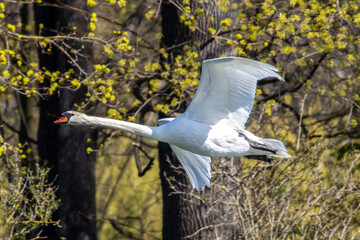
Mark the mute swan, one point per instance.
(214, 123)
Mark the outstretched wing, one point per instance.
(227, 90)
(197, 167)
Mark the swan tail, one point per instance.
(278, 145)
(197, 167)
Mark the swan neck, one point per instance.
(135, 128)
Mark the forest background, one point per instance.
(140, 61)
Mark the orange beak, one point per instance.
(62, 120)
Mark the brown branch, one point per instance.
(118, 226)
(138, 164)
(353, 134)
(16, 131)
(74, 62)
(298, 86)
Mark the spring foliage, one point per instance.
(314, 44)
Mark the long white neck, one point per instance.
(141, 130)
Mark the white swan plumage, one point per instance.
(214, 123)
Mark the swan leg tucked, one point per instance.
(258, 145)
(263, 158)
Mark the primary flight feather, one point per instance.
(214, 123)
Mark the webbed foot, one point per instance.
(263, 158)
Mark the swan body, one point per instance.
(214, 123)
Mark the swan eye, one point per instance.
(67, 114)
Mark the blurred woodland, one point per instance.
(140, 61)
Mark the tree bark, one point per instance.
(63, 149)
(184, 215)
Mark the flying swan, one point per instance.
(214, 123)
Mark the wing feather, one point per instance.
(197, 167)
(227, 90)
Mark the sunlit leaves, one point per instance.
(11, 27)
(226, 23)
(91, 3)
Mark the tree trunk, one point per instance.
(63, 149)
(184, 215)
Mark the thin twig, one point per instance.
(71, 58)
(300, 121)
(138, 164)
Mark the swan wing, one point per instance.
(197, 167)
(227, 90)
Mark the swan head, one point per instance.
(71, 118)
